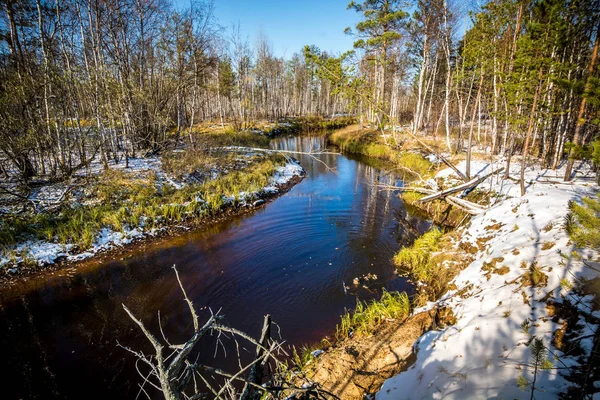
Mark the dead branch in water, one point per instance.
(171, 371)
(312, 154)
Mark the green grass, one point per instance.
(416, 258)
(419, 165)
(423, 262)
(368, 143)
(368, 315)
(361, 142)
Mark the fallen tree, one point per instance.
(467, 206)
(473, 183)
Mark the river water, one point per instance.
(290, 259)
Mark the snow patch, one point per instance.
(484, 353)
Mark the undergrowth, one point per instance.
(409, 164)
(306, 353)
(433, 269)
(416, 258)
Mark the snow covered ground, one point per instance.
(44, 252)
(486, 353)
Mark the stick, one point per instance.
(255, 376)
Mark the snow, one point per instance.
(44, 252)
(39, 251)
(486, 351)
(283, 175)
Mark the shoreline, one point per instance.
(9, 280)
(516, 260)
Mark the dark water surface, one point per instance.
(289, 259)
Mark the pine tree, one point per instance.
(376, 34)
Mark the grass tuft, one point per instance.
(415, 259)
(368, 315)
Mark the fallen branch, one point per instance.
(406, 189)
(256, 373)
(469, 207)
(465, 186)
(311, 154)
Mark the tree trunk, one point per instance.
(580, 115)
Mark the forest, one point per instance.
(81, 78)
(414, 216)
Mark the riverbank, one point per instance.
(508, 339)
(509, 278)
(407, 158)
(291, 255)
(117, 251)
(202, 176)
(100, 210)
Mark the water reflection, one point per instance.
(288, 259)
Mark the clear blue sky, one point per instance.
(289, 24)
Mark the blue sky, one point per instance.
(289, 24)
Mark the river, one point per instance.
(289, 259)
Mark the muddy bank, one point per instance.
(357, 367)
(12, 277)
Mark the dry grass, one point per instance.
(534, 277)
(548, 245)
(491, 268)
